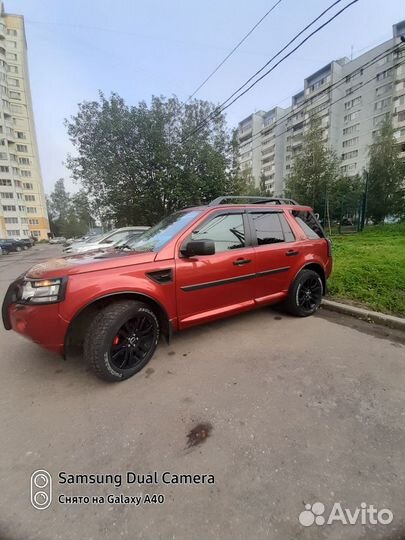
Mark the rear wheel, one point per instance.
(121, 340)
(305, 295)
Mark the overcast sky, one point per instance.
(166, 47)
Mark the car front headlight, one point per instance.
(41, 291)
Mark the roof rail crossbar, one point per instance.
(251, 199)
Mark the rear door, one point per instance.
(211, 286)
(277, 253)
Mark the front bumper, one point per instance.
(39, 323)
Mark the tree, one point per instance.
(140, 163)
(69, 215)
(386, 177)
(315, 169)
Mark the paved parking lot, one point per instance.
(289, 411)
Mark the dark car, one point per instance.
(27, 242)
(9, 245)
(196, 265)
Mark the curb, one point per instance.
(371, 316)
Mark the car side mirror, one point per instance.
(198, 247)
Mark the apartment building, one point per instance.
(350, 97)
(22, 201)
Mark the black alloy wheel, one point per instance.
(309, 295)
(133, 342)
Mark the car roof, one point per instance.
(263, 206)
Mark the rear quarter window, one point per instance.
(308, 223)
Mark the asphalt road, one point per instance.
(289, 412)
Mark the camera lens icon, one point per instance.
(41, 489)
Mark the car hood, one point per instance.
(88, 262)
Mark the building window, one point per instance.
(4, 168)
(384, 74)
(29, 197)
(20, 135)
(13, 82)
(9, 208)
(14, 95)
(11, 32)
(352, 103)
(350, 155)
(24, 161)
(379, 105)
(10, 220)
(31, 210)
(33, 221)
(401, 116)
(6, 195)
(13, 69)
(3, 155)
(25, 173)
(37, 234)
(11, 44)
(16, 108)
(380, 119)
(11, 56)
(351, 129)
(22, 148)
(13, 233)
(5, 182)
(350, 142)
(383, 89)
(27, 185)
(21, 208)
(17, 183)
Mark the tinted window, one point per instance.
(308, 224)
(288, 234)
(268, 228)
(227, 231)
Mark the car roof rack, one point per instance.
(252, 199)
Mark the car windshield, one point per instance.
(158, 235)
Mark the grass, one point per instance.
(369, 268)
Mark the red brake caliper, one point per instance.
(116, 340)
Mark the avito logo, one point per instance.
(366, 514)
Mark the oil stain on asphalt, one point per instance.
(198, 434)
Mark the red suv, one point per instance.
(194, 266)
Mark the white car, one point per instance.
(57, 240)
(104, 241)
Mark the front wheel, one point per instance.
(121, 340)
(305, 295)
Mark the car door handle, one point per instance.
(241, 262)
(291, 252)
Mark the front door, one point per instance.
(211, 286)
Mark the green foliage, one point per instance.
(386, 193)
(69, 215)
(369, 268)
(140, 163)
(315, 170)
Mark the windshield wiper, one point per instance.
(123, 246)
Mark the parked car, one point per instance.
(57, 240)
(104, 241)
(27, 242)
(12, 245)
(196, 265)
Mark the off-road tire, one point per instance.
(101, 332)
(292, 303)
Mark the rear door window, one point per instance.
(308, 224)
(271, 228)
